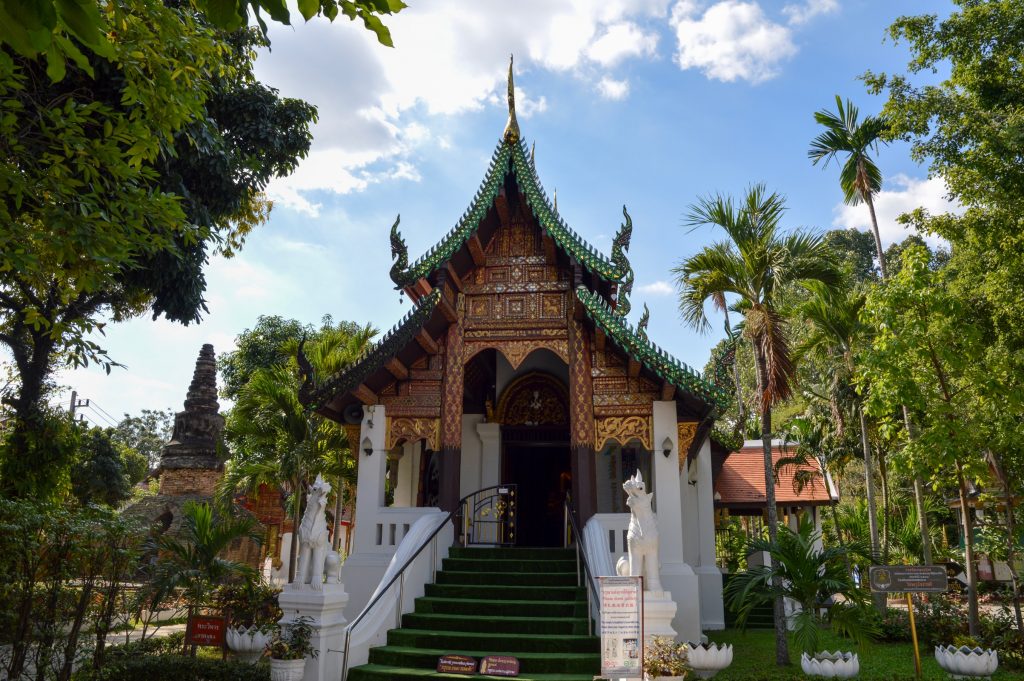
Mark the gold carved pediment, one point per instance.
(622, 429)
(408, 429)
(686, 431)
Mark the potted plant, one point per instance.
(664, 659)
(289, 647)
(251, 609)
(813, 578)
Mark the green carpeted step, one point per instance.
(507, 578)
(512, 553)
(507, 593)
(530, 663)
(475, 640)
(511, 608)
(503, 624)
(374, 672)
(507, 565)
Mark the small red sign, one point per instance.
(456, 664)
(499, 665)
(206, 630)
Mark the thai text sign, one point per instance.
(622, 627)
(456, 664)
(204, 630)
(499, 665)
(908, 578)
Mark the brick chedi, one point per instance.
(189, 463)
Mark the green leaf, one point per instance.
(224, 13)
(82, 19)
(81, 61)
(373, 23)
(55, 66)
(309, 8)
(278, 10)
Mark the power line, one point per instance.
(111, 423)
(105, 412)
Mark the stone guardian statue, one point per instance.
(641, 536)
(312, 534)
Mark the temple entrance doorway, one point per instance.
(534, 414)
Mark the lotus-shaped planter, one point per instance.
(707, 659)
(837, 665)
(967, 663)
(247, 643)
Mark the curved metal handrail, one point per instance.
(400, 575)
(588, 573)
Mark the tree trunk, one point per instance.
(922, 517)
(781, 644)
(1011, 534)
(878, 238)
(336, 534)
(293, 550)
(883, 473)
(972, 579)
(869, 485)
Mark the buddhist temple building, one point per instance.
(517, 367)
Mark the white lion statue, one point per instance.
(641, 537)
(313, 542)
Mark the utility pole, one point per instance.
(76, 403)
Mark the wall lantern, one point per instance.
(367, 446)
(666, 447)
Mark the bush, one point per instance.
(154, 645)
(174, 668)
(939, 621)
(998, 632)
(893, 627)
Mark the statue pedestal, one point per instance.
(659, 609)
(324, 610)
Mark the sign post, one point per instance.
(622, 627)
(909, 579)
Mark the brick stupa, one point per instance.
(189, 463)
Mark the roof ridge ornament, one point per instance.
(511, 133)
(641, 328)
(620, 245)
(400, 252)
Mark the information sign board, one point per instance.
(622, 627)
(499, 665)
(205, 630)
(456, 664)
(908, 578)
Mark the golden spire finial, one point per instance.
(512, 127)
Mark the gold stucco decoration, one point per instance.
(622, 429)
(686, 431)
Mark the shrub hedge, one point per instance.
(174, 668)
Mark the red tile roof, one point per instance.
(741, 480)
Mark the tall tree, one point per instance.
(117, 181)
(757, 264)
(859, 176)
(146, 433)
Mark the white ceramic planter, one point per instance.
(247, 644)
(967, 663)
(707, 659)
(837, 665)
(287, 670)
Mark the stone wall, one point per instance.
(181, 481)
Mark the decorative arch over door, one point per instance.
(534, 399)
(515, 351)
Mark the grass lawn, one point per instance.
(754, 659)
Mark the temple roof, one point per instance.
(511, 156)
(636, 344)
(740, 483)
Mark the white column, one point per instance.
(712, 609)
(677, 576)
(405, 492)
(325, 612)
(469, 478)
(364, 567)
(490, 454)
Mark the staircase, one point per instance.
(511, 601)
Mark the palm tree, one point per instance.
(756, 264)
(835, 325)
(809, 575)
(279, 442)
(859, 177)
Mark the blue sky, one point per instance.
(645, 103)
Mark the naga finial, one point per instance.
(641, 328)
(400, 252)
(556, 200)
(533, 154)
(512, 127)
(620, 245)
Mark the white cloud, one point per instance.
(622, 41)
(730, 40)
(657, 288)
(799, 14)
(913, 193)
(450, 58)
(613, 89)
